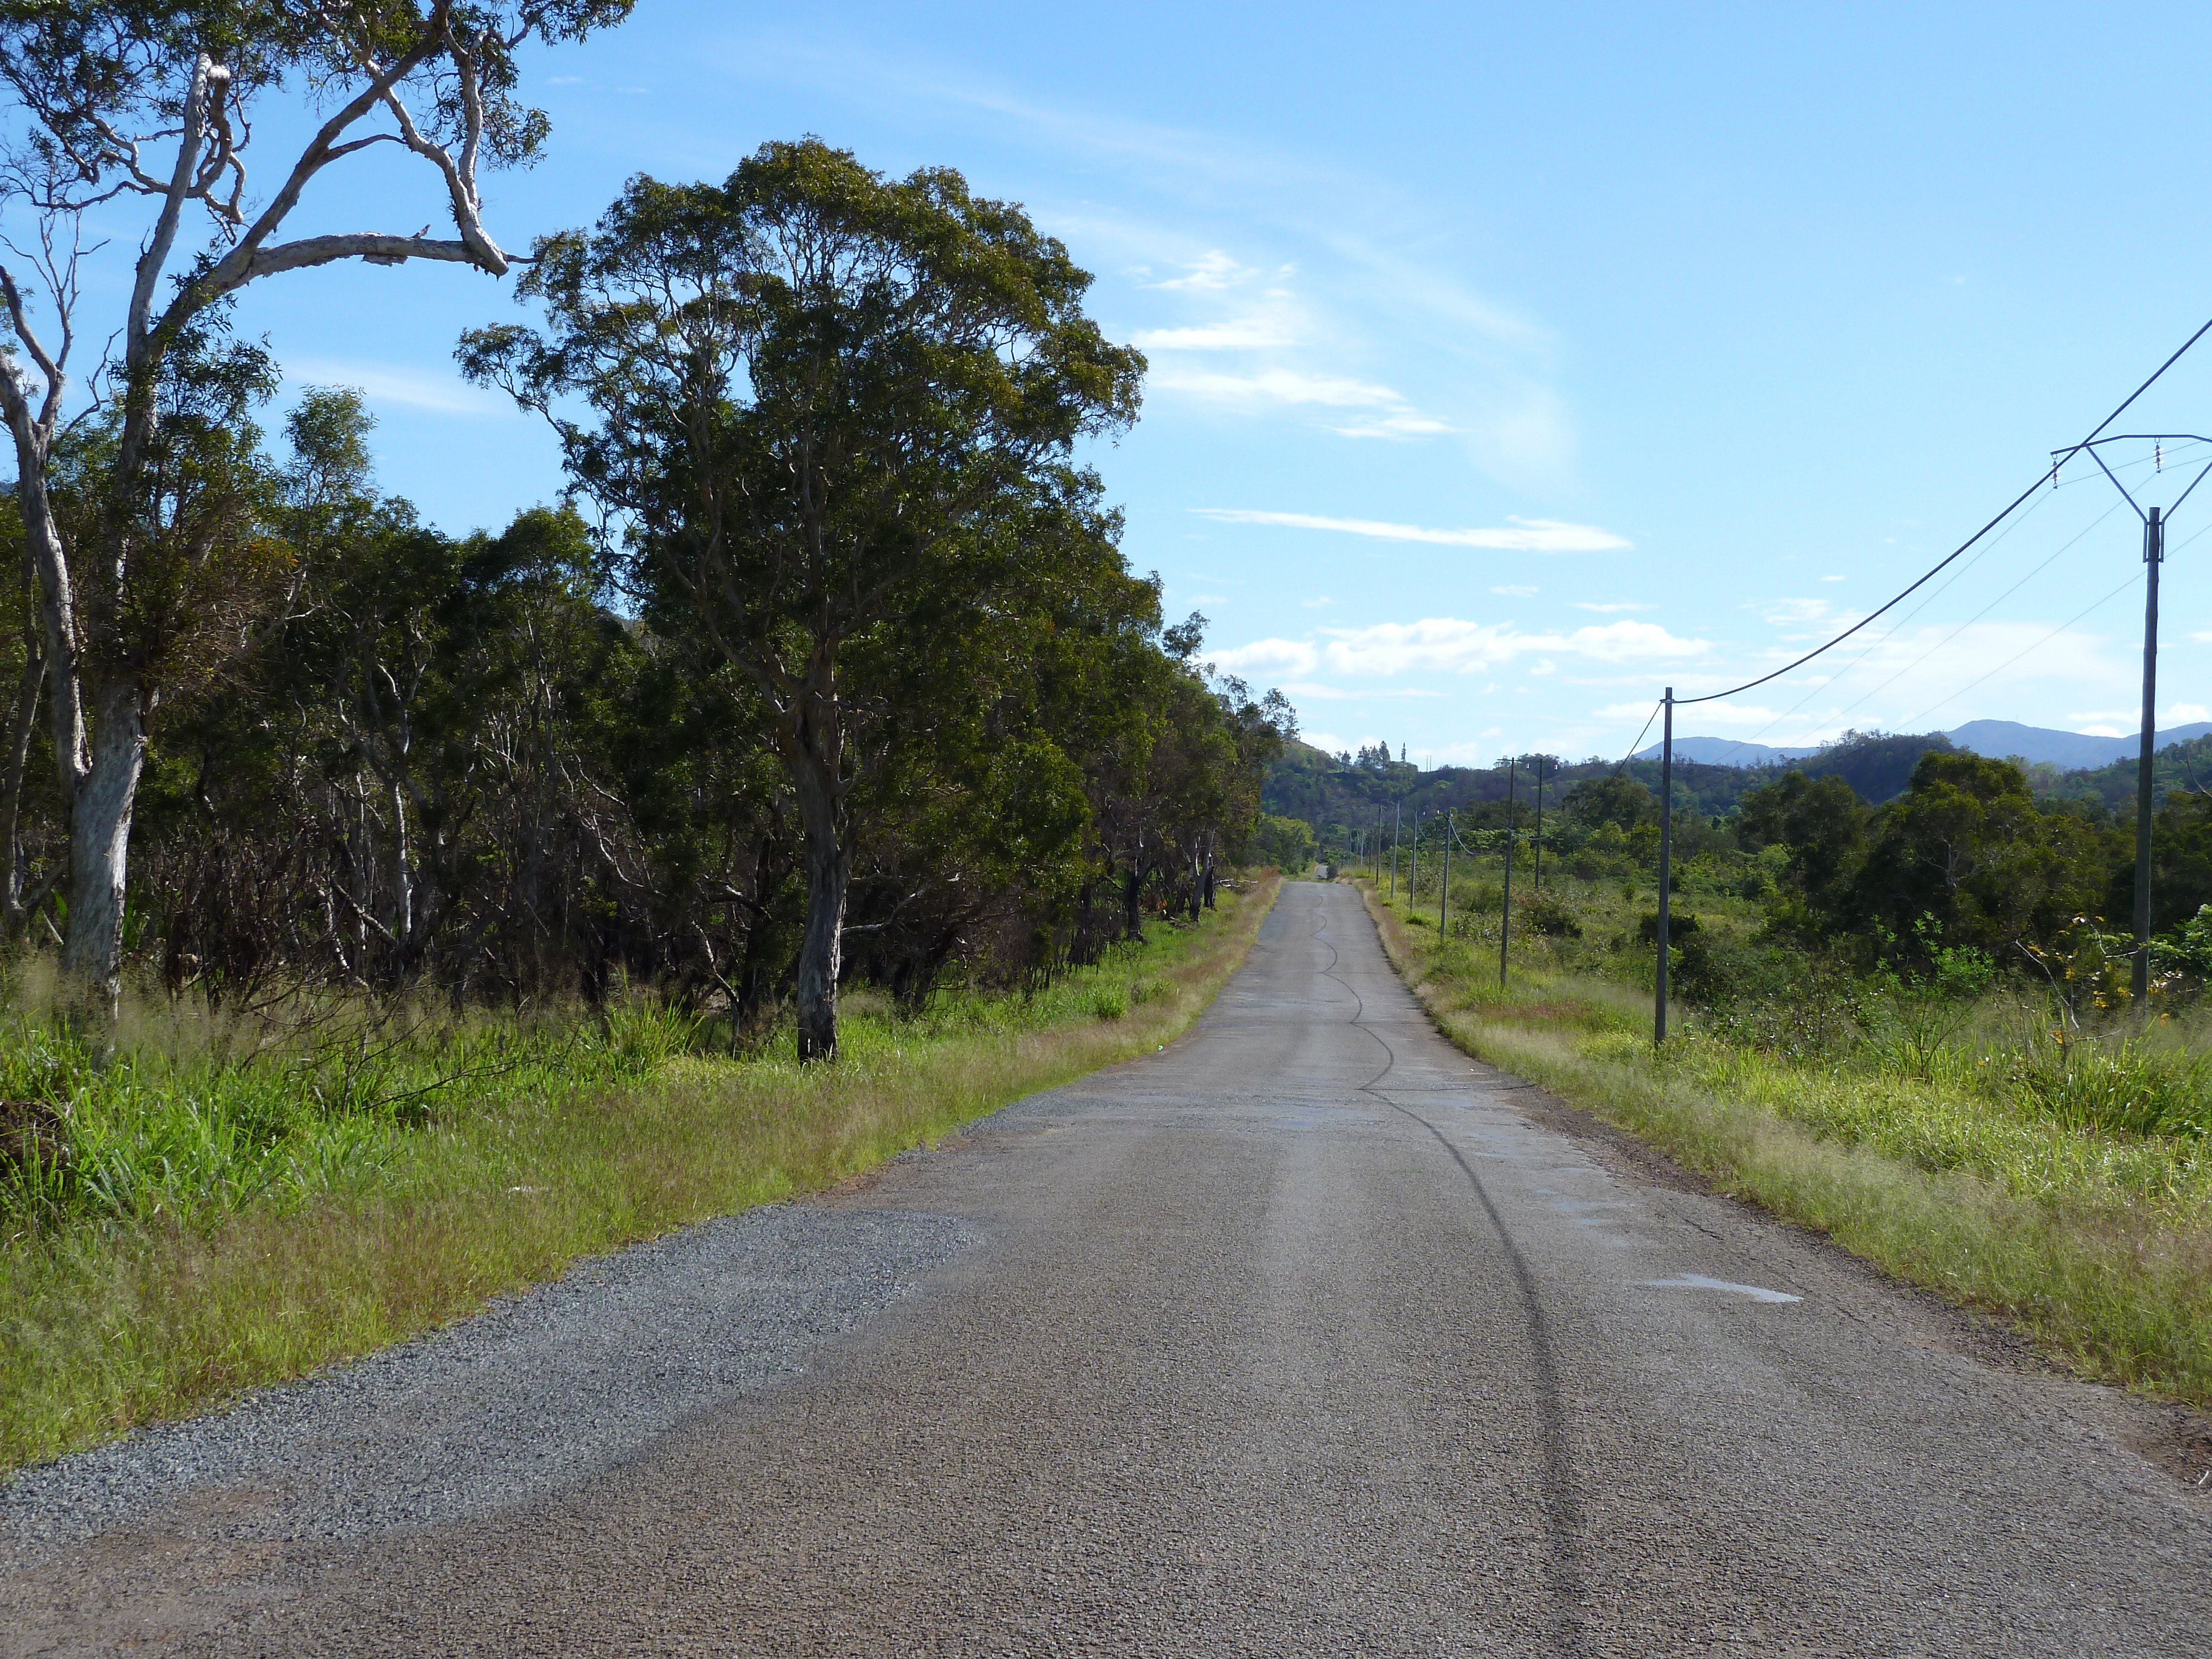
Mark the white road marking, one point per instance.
(1699, 1282)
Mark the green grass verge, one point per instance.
(289, 1233)
(2098, 1243)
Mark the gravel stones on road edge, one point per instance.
(534, 1392)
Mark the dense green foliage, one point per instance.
(446, 761)
(834, 414)
(507, 767)
(1287, 843)
(2180, 767)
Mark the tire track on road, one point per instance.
(1563, 1521)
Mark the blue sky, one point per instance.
(1504, 368)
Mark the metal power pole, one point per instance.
(2154, 526)
(1536, 883)
(2154, 556)
(1413, 861)
(1666, 858)
(1505, 928)
(1397, 828)
(1444, 896)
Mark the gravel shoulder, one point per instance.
(537, 1393)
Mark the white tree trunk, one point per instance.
(100, 841)
(403, 881)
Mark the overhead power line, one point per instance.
(2092, 605)
(2154, 555)
(1638, 744)
(2047, 638)
(1905, 621)
(2011, 506)
(2065, 547)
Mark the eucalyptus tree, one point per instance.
(817, 397)
(152, 104)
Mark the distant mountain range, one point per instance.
(1999, 739)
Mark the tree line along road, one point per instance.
(1307, 1335)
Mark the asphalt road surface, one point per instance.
(1306, 1335)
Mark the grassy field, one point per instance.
(228, 1220)
(1982, 1143)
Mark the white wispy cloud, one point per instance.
(1452, 645)
(389, 383)
(1455, 646)
(1982, 660)
(2174, 714)
(1782, 612)
(1933, 678)
(1213, 271)
(1403, 424)
(1387, 413)
(1367, 245)
(1517, 535)
(1522, 431)
(1311, 689)
(1278, 386)
(1609, 608)
(1477, 753)
(1273, 656)
(1241, 334)
(1712, 714)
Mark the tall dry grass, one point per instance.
(2094, 1240)
(127, 1318)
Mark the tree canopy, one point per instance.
(833, 414)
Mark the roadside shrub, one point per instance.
(1679, 926)
(1913, 1016)
(1550, 915)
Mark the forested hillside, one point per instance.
(1343, 796)
(1339, 795)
